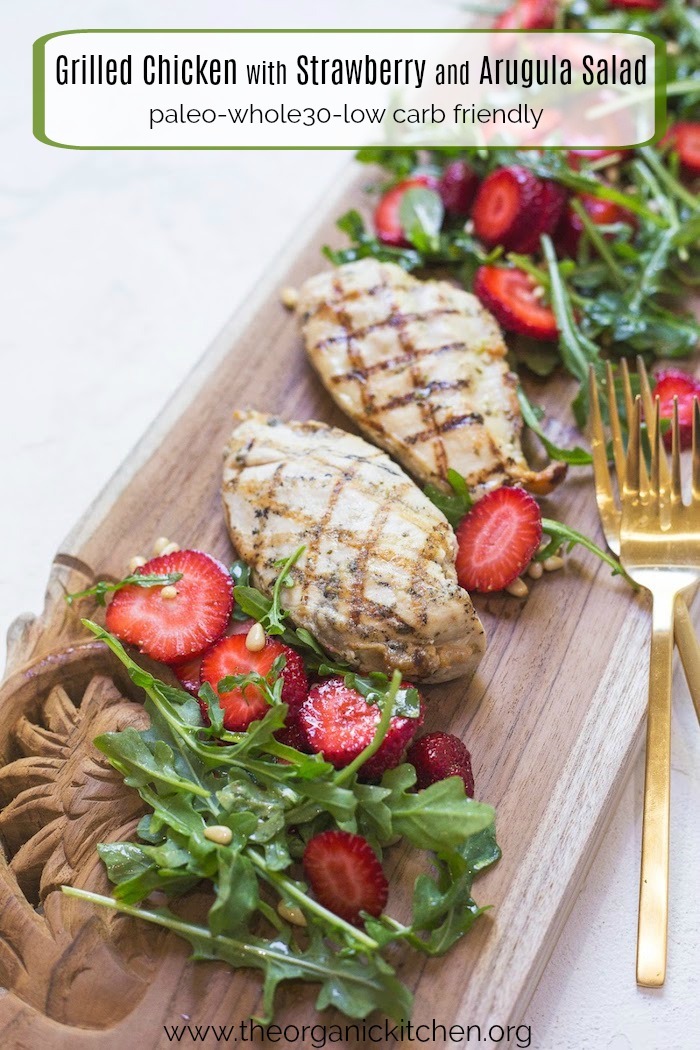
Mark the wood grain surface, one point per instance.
(553, 718)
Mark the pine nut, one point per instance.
(289, 297)
(255, 639)
(219, 834)
(291, 914)
(613, 174)
(170, 549)
(535, 570)
(169, 592)
(518, 588)
(553, 563)
(136, 562)
(160, 545)
(538, 292)
(469, 226)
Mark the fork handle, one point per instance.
(653, 887)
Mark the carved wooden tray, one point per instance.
(552, 717)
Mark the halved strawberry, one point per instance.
(671, 383)
(438, 756)
(243, 706)
(511, 296)
(175, 627)
(345, 875)
(602, 213)
(513, 208)
(386, 215)
(497, 539)
(189, 673)
(458, 185)
(528, 14)
(339, 724)
(685, 140)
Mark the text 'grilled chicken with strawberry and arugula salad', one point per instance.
(290, 756)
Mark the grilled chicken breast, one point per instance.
(376, 583)
(420, 366)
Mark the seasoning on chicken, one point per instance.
(376, 583)
(421, 368)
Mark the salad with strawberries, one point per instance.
(581, 255)
(281, 777)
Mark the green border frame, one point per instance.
(39, 86)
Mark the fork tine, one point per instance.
(676, 484)
(629, 413)
(657, 454)
(632, 474)
(651, 417)
(696, 451)
(601, 472)
(615, 428)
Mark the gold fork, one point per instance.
(609, 508)
(660, 548)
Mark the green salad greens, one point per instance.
(624, 292)
(273, 799)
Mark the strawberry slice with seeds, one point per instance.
(189, 673)
(497, 539)
(528, 14)
(345, 875)
(339, 724)
(242, 706)
(513, 208)
(191, 616)
(458, 185)
(685, 140)
(672, 383)
(386, 215)
(438, 756)
(514, 298)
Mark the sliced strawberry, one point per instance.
(497, 539)
(438, 756)
(685, 140)
(513, 208)
(173, 628)
(511, 296)
(602, 212)
(189, 673)
(577, 157)
(672, 383)
(458, 186)
(345, 875)
(243, 706)
(528, 14)
(386, 215)
(339, 724)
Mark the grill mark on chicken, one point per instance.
(379, 598)
(400, 400)
(415, 367)
(394, 320)
(395, 363)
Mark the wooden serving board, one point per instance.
(553, 718)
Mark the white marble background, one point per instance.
(117, 269)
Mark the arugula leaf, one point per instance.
(455, 504)
(237, 897)
(356, 985)
(421, 212)
(105, 587)
(574, 456)
(439, 817)
(563, 535)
